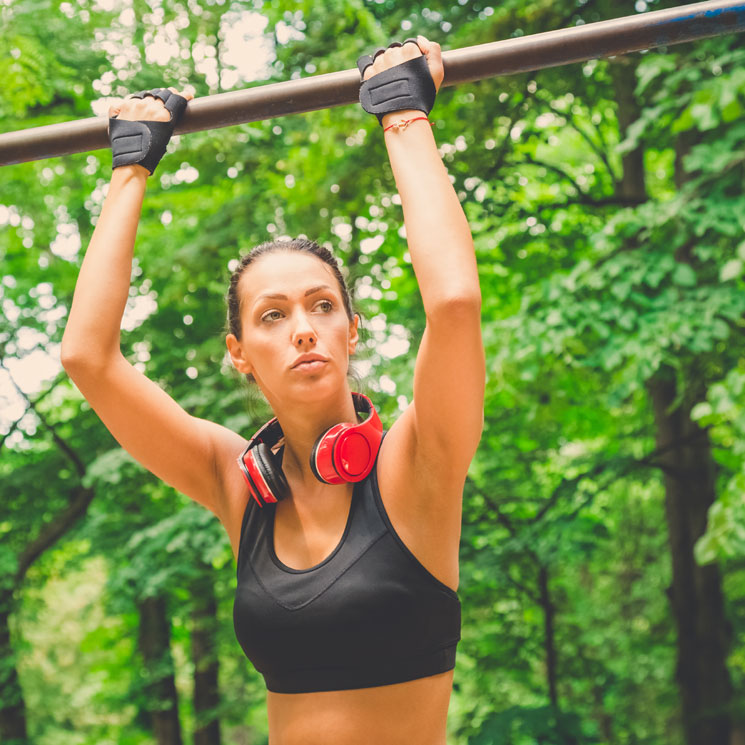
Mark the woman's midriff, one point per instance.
(411, 713)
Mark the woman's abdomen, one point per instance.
(410, 713)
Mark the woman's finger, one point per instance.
(390, 57)
(148, 108)
(187, 96)
(383, 59)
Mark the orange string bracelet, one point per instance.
(401, 125)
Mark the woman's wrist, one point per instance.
(397, 116)
(126, 173)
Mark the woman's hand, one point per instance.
(144, 109)
(141, 125)
(397, 55)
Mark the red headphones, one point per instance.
(345, 452)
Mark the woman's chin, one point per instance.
(319, 388)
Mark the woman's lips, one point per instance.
(309, 367)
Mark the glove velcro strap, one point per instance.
(405, 86)
(143, 142)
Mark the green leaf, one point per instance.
(684, 275)
(701, 410)
(684, 122)
(732, 111)
(720, 329)
(733, 268)
(705, 550)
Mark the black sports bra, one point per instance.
(370, 614)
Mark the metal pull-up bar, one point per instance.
(523, 54)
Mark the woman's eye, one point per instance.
(328, 307)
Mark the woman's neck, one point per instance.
(301, 430)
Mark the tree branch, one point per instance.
(599, 151)
(584, 202)
(54, 530)
(66, 449)
(38, 399)
(622, 465)
(555, 169)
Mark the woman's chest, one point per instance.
(300, 543)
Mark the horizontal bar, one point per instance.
(550, 49)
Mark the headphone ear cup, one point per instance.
(324, 457)
(353, 454)
(274, 477)
(347, 451)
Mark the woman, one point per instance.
(355, 640)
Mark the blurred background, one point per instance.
(603, 543)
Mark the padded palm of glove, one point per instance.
(144, 142)
(408, 85)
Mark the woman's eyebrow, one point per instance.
(278, 296)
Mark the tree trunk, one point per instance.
(704, 634)
(548, 635)
(632, 185)
(154, 644)
(204, 657)
(695, 594)
(12, 705)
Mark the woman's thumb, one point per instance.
(431, 52)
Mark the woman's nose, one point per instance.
(303, 332)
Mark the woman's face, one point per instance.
(291, 305)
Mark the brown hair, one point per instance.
(301, 245)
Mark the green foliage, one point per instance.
(524, 725)
(587, 293)
(724, 412)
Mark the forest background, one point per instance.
(602, 569)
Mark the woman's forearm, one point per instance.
(437, 231)
(92, 331)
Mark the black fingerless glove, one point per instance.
(405, 86)
(144, 142)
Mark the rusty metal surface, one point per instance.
(523, 54)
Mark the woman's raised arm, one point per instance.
(92, 332)
(175, 446)
(442, 426)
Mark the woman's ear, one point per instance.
(237, 357)
(354, 336)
